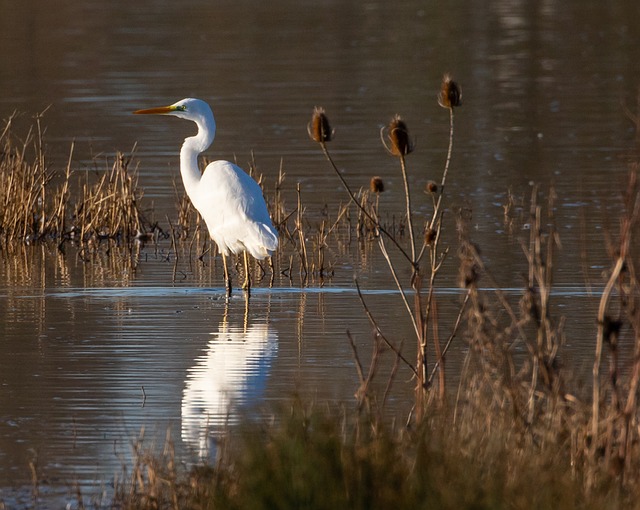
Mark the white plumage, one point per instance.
(235, 213)
(228, 199)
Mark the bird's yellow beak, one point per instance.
(157, 110)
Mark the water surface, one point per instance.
(93, 352)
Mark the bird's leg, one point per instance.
(227, 279)
(247, 280)
(273, 273)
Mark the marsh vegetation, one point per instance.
(513, 429)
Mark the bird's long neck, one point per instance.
(191, 149)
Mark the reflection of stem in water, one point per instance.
(300, 325)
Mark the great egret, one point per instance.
(228, 199)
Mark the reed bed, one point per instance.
(512, 431)
(27, 205)
(109, 208)
(41, 204)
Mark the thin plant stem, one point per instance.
(446, 170)
(407, 194)
(385, 254)
(436, 365)
(363, 209)
(602, 309)
(379, 331)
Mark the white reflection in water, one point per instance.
(231, 373)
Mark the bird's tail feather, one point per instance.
(264, 241)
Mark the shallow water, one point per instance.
(86, 369)
(93, 352)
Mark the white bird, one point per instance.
(228, 199)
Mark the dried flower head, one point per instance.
(450, 93)
(430, 236)
(319, 128)
(376, 185)
(400, 143)
(431, 187)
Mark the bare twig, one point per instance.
(355, 200)
(379, 331)
(453, 334)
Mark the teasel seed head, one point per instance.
(431, 187)
(430, 236)
(376, 185)
(400, 143)
(319, 128)
(450, 93)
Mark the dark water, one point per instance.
(92, 353)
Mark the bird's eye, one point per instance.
(181, 108)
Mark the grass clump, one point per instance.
(27, 205)
(40, 204)
(309, 457)
(110, 207)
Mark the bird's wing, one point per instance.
(234, 210)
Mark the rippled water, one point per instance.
(93, 352)
(86, 369)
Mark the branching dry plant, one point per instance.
(601, 437)
(420, 301)
(614, 436)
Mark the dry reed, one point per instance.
(37, 202)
